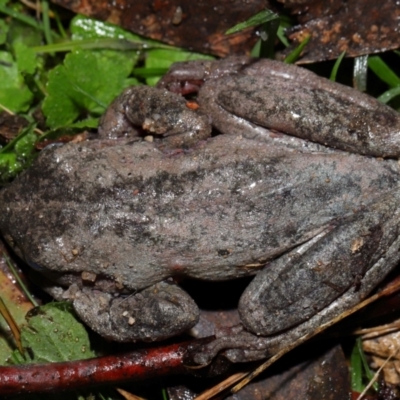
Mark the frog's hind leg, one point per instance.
(328, 275)
(158, 312)
(299, 103)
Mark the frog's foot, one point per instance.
(156, 313)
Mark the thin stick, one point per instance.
(249, 376)
(385, 292)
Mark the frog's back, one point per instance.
(138, 215)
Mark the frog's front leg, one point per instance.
(158, 312)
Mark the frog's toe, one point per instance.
(156, 313)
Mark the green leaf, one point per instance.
(84, 85)
(26, 58)
(53, 334)
(59, 106)
(84, 29)
(13, 92)
(88, 28)
(17, 154)
(16, 99)
(3, 31)
(20, 32)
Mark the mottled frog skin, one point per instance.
(294, 185)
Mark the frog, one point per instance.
(268, 171)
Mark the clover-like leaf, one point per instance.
(54, 334)
(14, 94)
(84, 85)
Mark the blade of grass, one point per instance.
(20, 17)
(281, 33)
(46, 22)
(389, 95)
(336, 67)
(294, 55)
(88, 95)
(268, 34)
(356, 370)
(106, 43)
(12, 324)
(383, 71)
(260, 18)
(60, 27)
(368, 372)
(20, 282)
(269, 24)
(149, 72)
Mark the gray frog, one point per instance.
(294, 189)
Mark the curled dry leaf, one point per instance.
(381, 348)
(10, 126)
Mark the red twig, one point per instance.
(134, 366)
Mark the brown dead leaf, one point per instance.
(11, 126)
(357, 27)
(380, 349)
(17, 304)
(198, 26)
